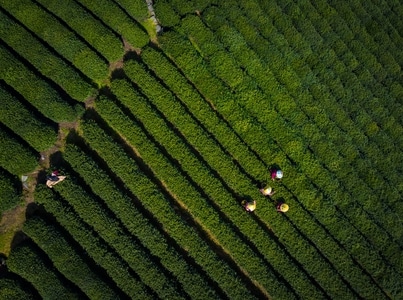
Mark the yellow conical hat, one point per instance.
(284, 207)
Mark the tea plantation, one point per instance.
(165, 116)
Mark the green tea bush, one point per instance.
(91, 29)
(66, 259)
(94, 246)
(13, 289)
(118, 20)
(24, 123)
(15, 157)
(36, 90)
(43, 59)
(137, 8)
(29, 263)
(61, 39)
(166, 14)
(10, 191)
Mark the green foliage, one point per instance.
(10, 195)
(92, 30)
(29, 263)
(93, 245)
(62, 40)
(23, 122)
(66, 259)
(35, 90)
(43, 59)
(16, 158)
(12, 289)
(117, 19)
(135, 8)
(137, 224)
(166, 14)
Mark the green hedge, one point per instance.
(199, 207)
(153, 200)
(91, 29)
(118, 20)
(11, 289)
(24, 123)
(16, 158)
(141, 227)
(43, 59)
(10, 191)
(60, 38)
(135, 8)
(110, 229)
(26, 261)
(66, 259)
(95, 247)
(35, 89)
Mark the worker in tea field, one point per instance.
(54, 178)
(249, 206)
(276, 174)
(282, 207)
(267, 191)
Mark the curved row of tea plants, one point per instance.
(32, 87)
(101, 253)
(124, 208)
(253, 266)
(16, 116)
(28, 262)
(63, 40)
(43, 58)
(67, 260)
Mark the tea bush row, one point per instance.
(95, 247)
(124, 208)
(95, 33)
(24, 123)
(15, 157)
(14, 289)
(10, 191)
(45, 60)
(66, 259)
(110, 229)
(33, 88)
(64, 41)
(118, 20)
(29, 263)
(156, 203)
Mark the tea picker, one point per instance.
(276, 174)
(282, 207)
(54, 179)
(267, 191)
(249, 206)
